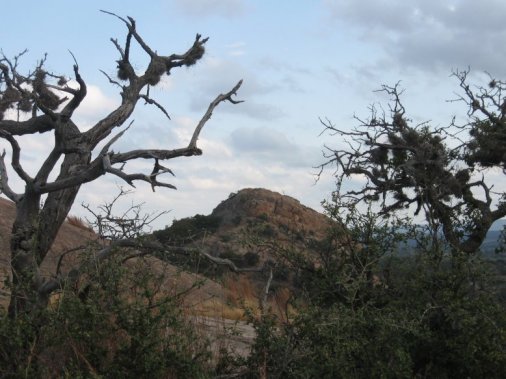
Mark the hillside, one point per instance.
(241, 228)
(71, 237)
(283, 212)
(248, 225)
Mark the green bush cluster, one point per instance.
(365, 312)
(118, 325)
(188, 229)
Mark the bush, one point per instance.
(363, 312)
(118, 325)
(250, 259)
(188, 229)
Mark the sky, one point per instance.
(300, 61)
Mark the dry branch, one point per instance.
(48, 103)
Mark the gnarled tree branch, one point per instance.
(405, 164)
(4, 181)
(40, 91)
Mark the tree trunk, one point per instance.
(33, 234)
(35, 229)
(25, 267)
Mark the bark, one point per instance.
(36, 225)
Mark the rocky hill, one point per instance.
(253, 228)
(69, 237)
(248, 228)
(244, 228)
(283, 212)
(75, 237)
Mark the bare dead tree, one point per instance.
(440, 171)
(130, 223)
(126, 236)
(37, 95)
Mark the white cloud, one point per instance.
(218, 76)
(95, 105)
(236, 48)
(430, 34)
(265, 145)
(206, 8)
(184, 129)
(256, 157)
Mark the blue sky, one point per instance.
(300, 60)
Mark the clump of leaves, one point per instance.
(195, 54)
(488, 144)
(188, 229)
(122, 72)
(45, 96)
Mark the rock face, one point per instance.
(281, 211)
(251, 227)
(71, 237)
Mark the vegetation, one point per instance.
(116, 324)
(359, 309)
(433, 172)
(363, 311)
(366, 311)
(188, 229)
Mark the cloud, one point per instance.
(430, 34)
(236, 48)
(204, 181)
(216, 73)
(271, 147)
(215, 78)
(274, 63)
(206, 8)
(259, 140)
(249, 157)
(259, 111)
(290, 76)
(96, 104)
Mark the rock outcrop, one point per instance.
(281, 211)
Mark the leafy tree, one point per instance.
(434, 170)
(365, 310)
(39, 107)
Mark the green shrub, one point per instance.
(251, 259)
(363, 312)
(188, 229)
(118, 326)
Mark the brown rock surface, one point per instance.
(69, 237)
(279, 210)
(249, 212)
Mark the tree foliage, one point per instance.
(366, 310)
(432, 169)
